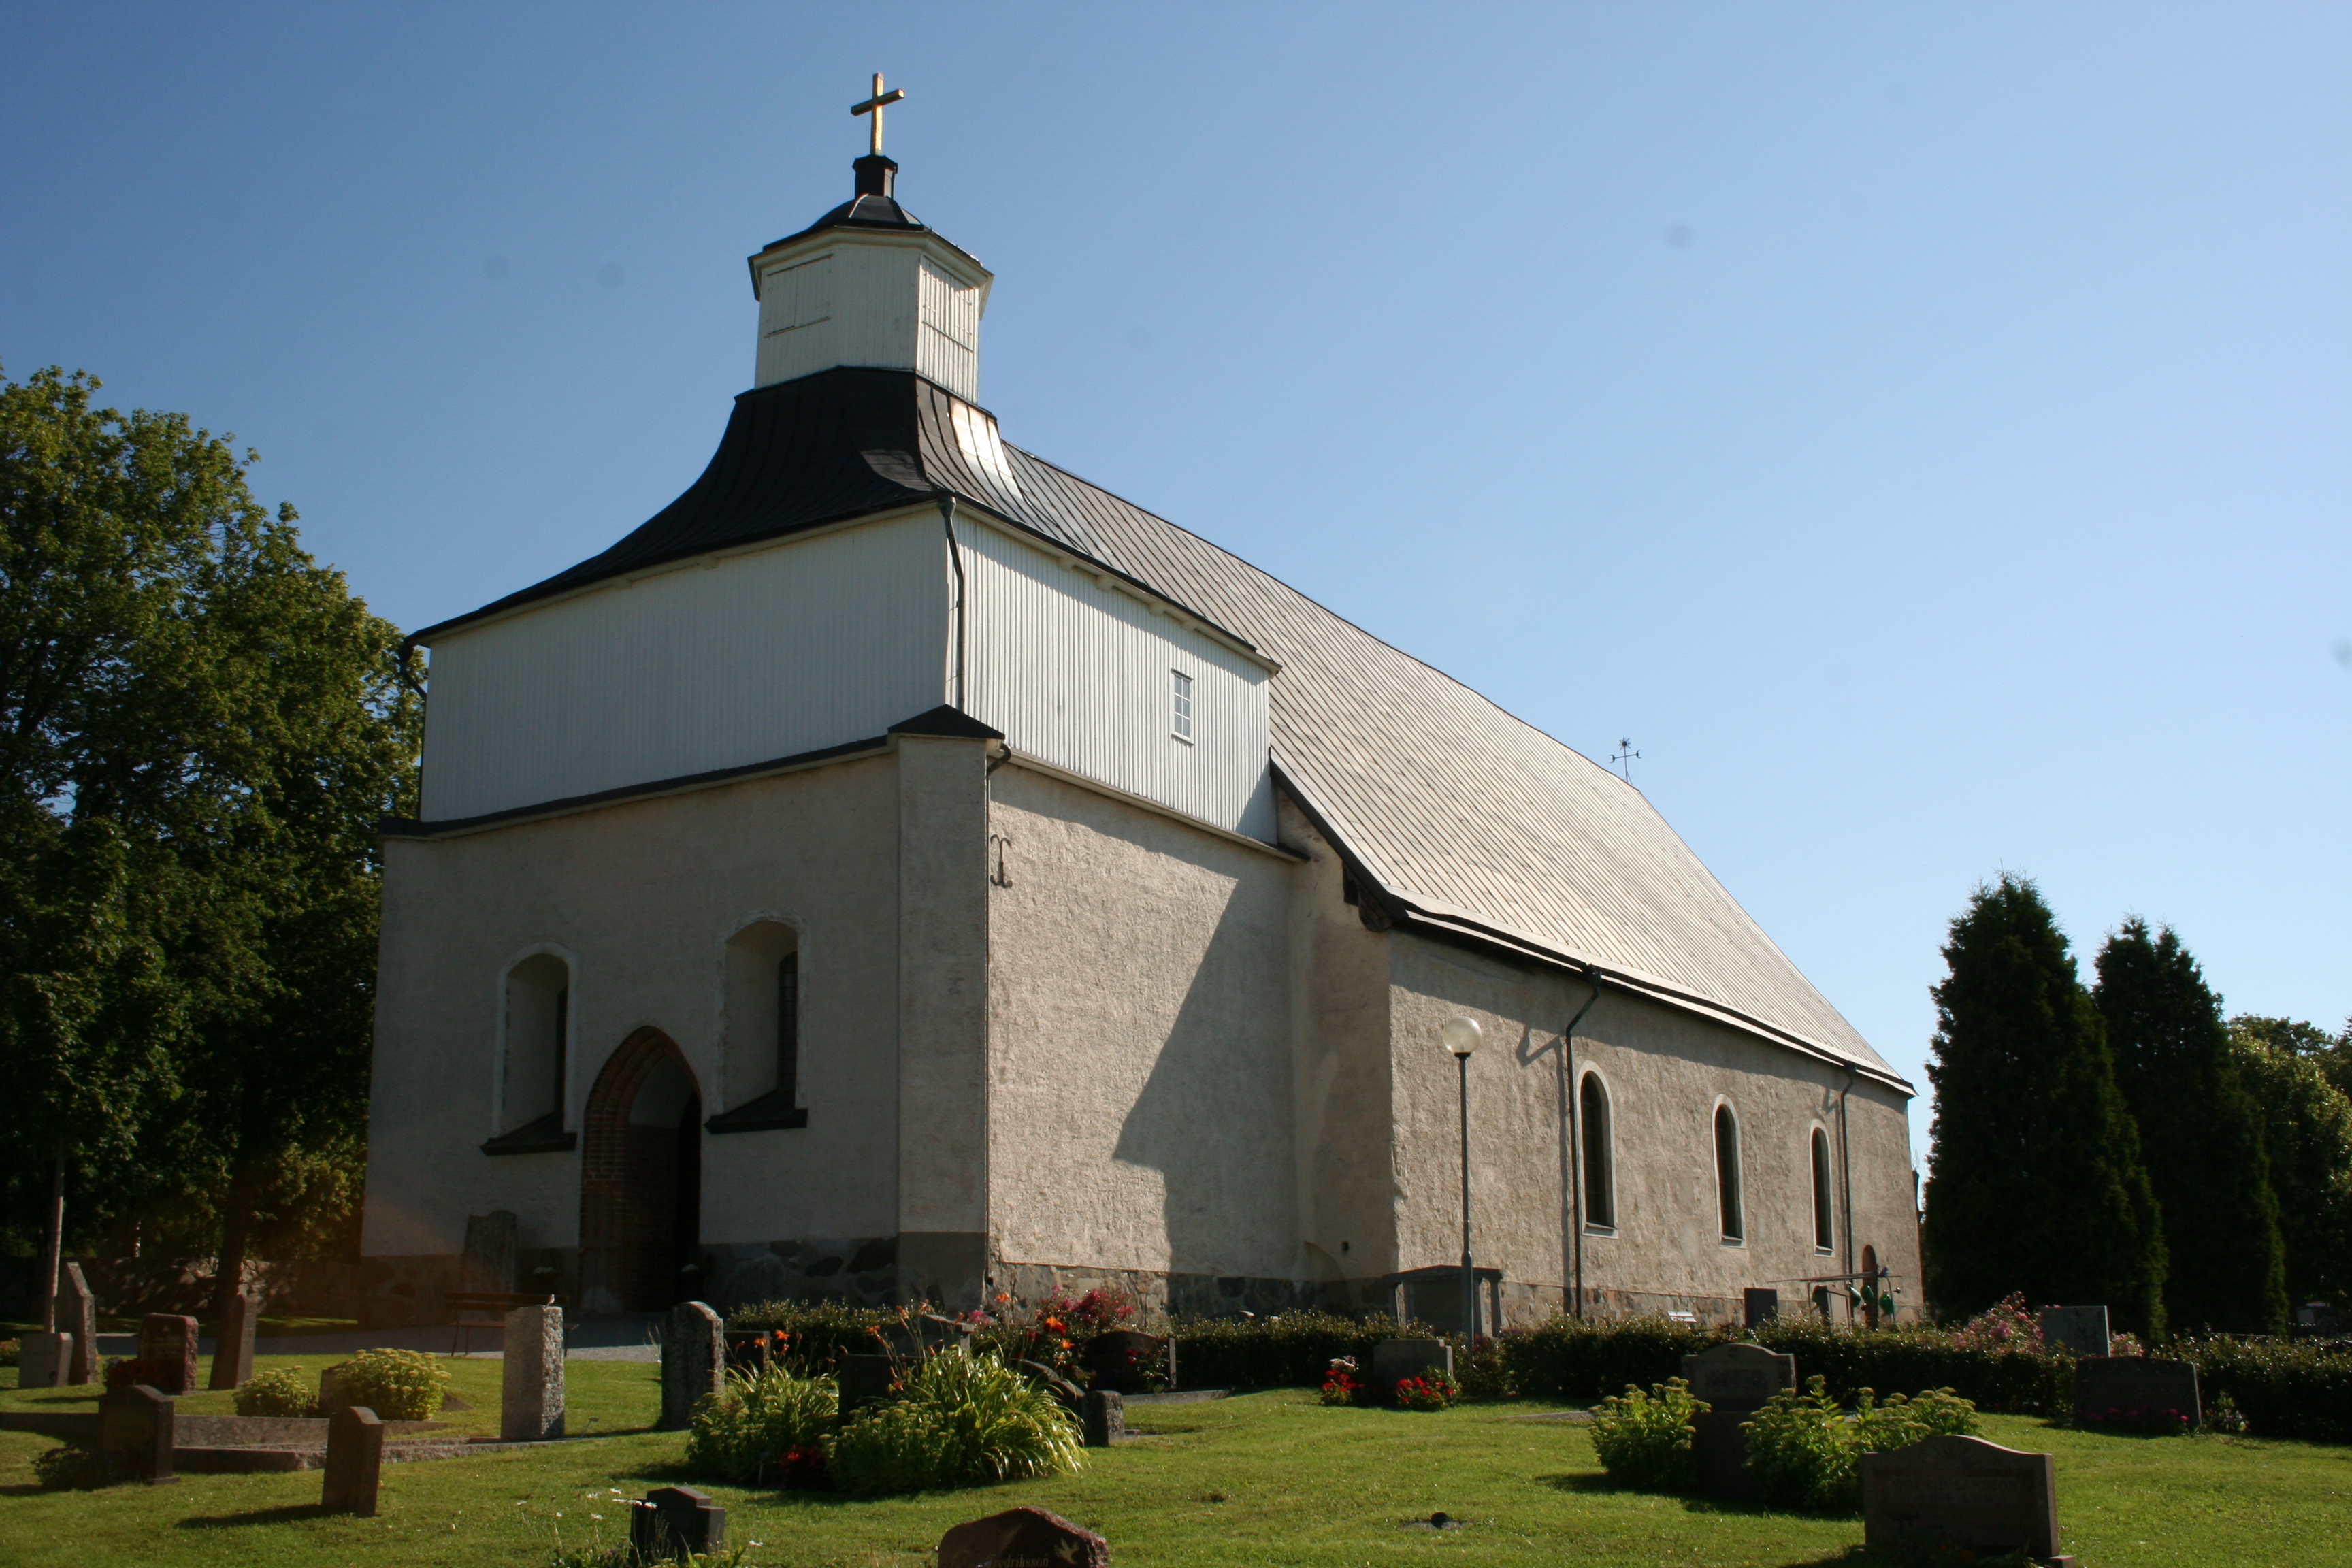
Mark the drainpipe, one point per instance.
(947, 504)
(1573, 1147)
(1845, 1180)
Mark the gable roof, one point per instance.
(1462, 816)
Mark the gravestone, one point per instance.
(2081, 1331)
(2133, 1391)
(1023, 1538)
(531, 1391)
(354, 1461)
(1121, 1358)
(1735, 1381)
(134, 1433)
(233, 1345)
(78, 1316)
(1105, 1418)
(1394, 1360)
(167, 1351)
(694, 1361)
(865, 1380)
(493, 1251)
(1759, 1307)
(331, 1398)
(1961, 1493)
(1069, 1394)
(673, 1522)
(43, 1360)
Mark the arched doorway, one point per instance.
(641, 1179)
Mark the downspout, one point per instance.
(1572, 1146)
(947, 503)
(1845, 1180)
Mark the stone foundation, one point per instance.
(862, 1271)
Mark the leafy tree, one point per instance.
(2036, 1183)
(2201, 1131)
(2307, 1128)
(198, 728)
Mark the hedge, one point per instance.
(1290, 1350)
(2283, 1389)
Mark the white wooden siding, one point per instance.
(809, 643)
(883, 302)
(1079, 674)
(949, 352)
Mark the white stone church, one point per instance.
(901, 870)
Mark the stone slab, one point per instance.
(2133, 1390)
(167, 1351)
(1023, 1538)
(1759, 1307)
(694, 1361)
(864, 1380)
(45, 1360)
(78, 1316)
(232, 1346)
(1962, 1492)
(1105, 1418)
(531, 1391)
(354, 1462)
(1739, 1376)
(1394, 1360)
(675, 1520)
(134, 1432)
(1121, 1359)
(2081, 1331)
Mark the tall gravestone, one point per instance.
(1965, 1493)
(1394, 1360)
(531, 1408)
(493, 1250)
(1735, 1381)
(167, 1351)
(78, 1315)
(1022, 1536)
(1104, 1419)
(1758, 1307)
(2135, 1391)
(694, 1360)
(2080, 1331)
(354, 1461)
(864, 1380)
(43, 1360)
(232, 1343)
(675, 1520)
(134, 1433)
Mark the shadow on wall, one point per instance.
(1214, 1118)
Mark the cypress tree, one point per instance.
(2036, 1181)
(2307, 1133)
(2202, 1134)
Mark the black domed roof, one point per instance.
(872, 208)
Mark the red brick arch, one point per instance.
(639, 1186)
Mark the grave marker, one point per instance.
(331, 1398)
(43, 1360)
(233, 1345)
(2135, 1391)
(694, 1361)
(134, 1433)
(493, 1251)
(531, 1391)
(1023, 1538)
(1735, 1381)
(78, 1316)
(1105, 1418)
(865, 1380)
(1759, 1307)
(167, 1351)
(1120, 1358)
(675, 1520)
(2081, 1331)
(354, 1461)
(1962, 1492)
(1394, 1360)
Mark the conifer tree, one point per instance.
(2036, 1183)
(2200, 1132)
(2307, 1133)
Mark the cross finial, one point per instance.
(873, 106)
(1624, 757)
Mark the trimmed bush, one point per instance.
(72, 1469)
(398, 1385)
(1645, 1440)
(961, 1420)
(1806, 1453)
(764, 1426)
(2282, 1388)
(814, 1332)
(1576, 1360)
(278, 1392)
(2012, 1376)
(1291, 1350)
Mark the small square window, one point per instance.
(1182, 720)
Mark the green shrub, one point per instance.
(398, 1385)
(1578, 1361)
(279, 1391)
(1645, 1440)
(1805, 1452)
(960, 1420)
(2007, 1372)
(72, 1469)
(1288, 1350)
(1431, 1389)
(814, 1332)
(2282, 1389)
(10, 1350)
(768, 1426)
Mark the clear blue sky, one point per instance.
(1921, 428)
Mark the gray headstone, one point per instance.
(1122, 1358)
(675, 1520)
(1718, 1439)
(1394, 1360)
(531, 1395)
(1068, 1393)
(167, 1351)
(233, 1345)
(331, 1398)
(493, 1250)
(1759, 1307)
(1105, 1418)
(43, 1360)
(78, 1316)
(2081, 1331)
(2133, 1391)
(354, 1461)
(864, 1380)
(134, 1433)
(694, 1360)
(1963, 1492)
(1022, 1536)
(1737, 1376)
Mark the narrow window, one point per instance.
(1181, 719)
(1599, 1187)
(1824, 1229)
(762, 1039)
(1727, 1172)
(788, 1028)
(538, 1034)
(562, 1042)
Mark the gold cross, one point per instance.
(873, 106)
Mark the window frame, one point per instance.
(1730, 1186)
(1182, 707)
(1598, 1152)
(1819, 1159)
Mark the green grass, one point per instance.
(1265, 1478)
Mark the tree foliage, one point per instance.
(2308, 1131)
(2037, 1183)
(2202, 1134)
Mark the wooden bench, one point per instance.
(489, 1309)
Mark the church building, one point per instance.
(901, 870)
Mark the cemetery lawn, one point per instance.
(1265, 1478)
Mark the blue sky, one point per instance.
(1921, 429)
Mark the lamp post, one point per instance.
(1461, 1037)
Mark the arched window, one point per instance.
(536, 1037)
(1825, 1228)
(1727, 1173)
(1599, 1176)
(763, 1030)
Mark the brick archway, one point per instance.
(640, 1179)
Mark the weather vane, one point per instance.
(1622, 756)
(873, 106)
